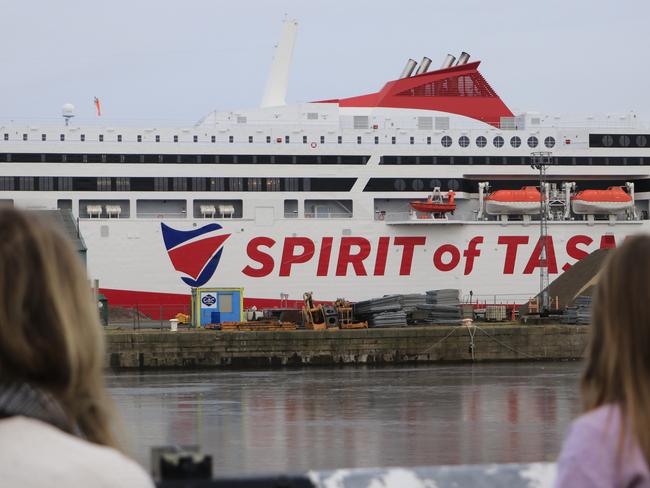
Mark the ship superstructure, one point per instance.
(319, 196)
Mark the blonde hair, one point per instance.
(618, 357)
(50, 335)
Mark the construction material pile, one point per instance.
(580, 312)
(434, 307)
(442, 307)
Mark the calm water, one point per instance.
(295, 420)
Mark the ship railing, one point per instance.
(327, 215)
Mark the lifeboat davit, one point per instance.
(435, 204)
(514, 202)
(612, 201)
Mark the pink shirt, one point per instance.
(590, 453)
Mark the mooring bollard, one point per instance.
(173, 325)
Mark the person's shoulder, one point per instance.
(31, 451)
(604, 420)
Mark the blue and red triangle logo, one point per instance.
(195, 253)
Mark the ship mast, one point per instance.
(540, 161)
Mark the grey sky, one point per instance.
(163, 59)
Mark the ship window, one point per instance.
(101, 137)
(24, 137)
(549, 142)
(82, 137)
(624, 141)
(340, 139)
(412, 140)
(139, 138)
(304, 139)
(6, 136)
(515, 141)
(43, 137)
(393, 140)
(213, 139)
(195, 138)
(322, 139)
(429, 140)
(481, 141)
(157, 138)
(358, 139)
(268, 139)
(62, 137)
(376, 139)
(250, 139)
(175, 138)
(608, 141)
(286, 139)
(532, 141)
(231, 139)
(417, 185)
(399, 185)
(446, 141)
(463, 141)
(119, 138)
(498, 141)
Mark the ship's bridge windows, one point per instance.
(515, 141)
(481, 141)
(119, 138)
(532, 141)
(498, 141)
(62, 137)
(549, 142)
(446, 141)
(463, 141)
(328, 209)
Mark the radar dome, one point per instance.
(68, 109)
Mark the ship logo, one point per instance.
(195, 253)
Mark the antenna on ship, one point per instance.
(67, 111)
(540, 161)
(278, 82)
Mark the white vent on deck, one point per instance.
(425, 123)
(442, 123)
(241, 119)
(312, 115)
(360, 121)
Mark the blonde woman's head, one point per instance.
(50, 335)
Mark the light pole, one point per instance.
(540, 161)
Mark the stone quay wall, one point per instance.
(145, 349)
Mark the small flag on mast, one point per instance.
(98, 107)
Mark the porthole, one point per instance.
(400, 185)
(435, 183)
(463, 141)
(641, 141)
(453, 185)
(498, 141)
(624, 141)
(481, 141)
(532, 141)
(446, 141)
(608, 141)
(417, 185)
(515, 141)
(549, 142)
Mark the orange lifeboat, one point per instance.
(435, 204)
(612, 201)
(514, 202)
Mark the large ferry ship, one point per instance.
(426, 183)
